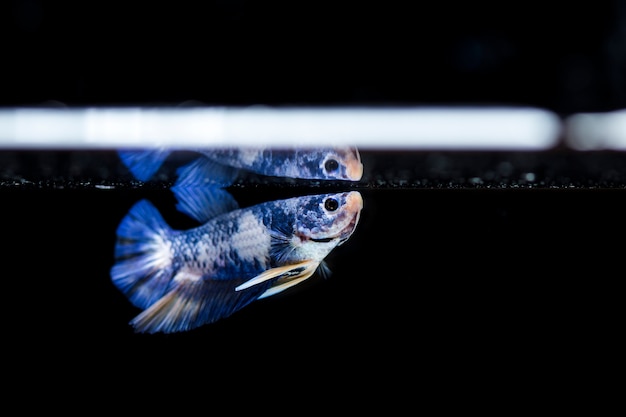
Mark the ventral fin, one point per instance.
(285, 272)
(283, 283)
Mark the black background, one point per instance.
(561, 56)
(443, 294)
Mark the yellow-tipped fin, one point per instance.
(284, 283)
(291, 272)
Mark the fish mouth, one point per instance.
(347, 231)
(343, 234)
(354, 205)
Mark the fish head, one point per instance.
(342, 164)
(304, 230)
(339, 163)
(324, 222)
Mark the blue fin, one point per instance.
(143, 269)
(203, 172)
(193, 303)
(203, 203)
(143, 164)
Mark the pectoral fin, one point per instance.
(285, 274)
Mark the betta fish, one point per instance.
(183, 279)
(221, 166)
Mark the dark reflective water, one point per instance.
(434, 277)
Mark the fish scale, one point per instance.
(219, 247)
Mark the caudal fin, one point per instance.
(143, 254)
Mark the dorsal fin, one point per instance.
(202, 203)
(202, 172)
(143, 164)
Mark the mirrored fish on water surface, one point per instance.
(220, 166)
(183, 279)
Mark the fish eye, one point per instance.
(331, 204)
(331, 165)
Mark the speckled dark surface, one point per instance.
(382, 169)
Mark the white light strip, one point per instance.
(464, 128)
(597, 131)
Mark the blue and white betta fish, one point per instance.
(183, 279)
(220, 166)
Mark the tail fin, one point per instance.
(143, 164)
(143, 254)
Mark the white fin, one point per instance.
(293, 271)
(287, 284)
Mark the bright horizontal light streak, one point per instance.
(597, 131)
(366, 127)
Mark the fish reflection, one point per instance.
(183, 279)
(221, 166)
